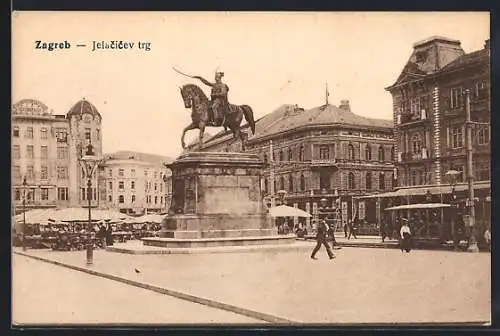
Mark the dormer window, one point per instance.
(421, 56)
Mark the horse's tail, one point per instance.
(248, 113)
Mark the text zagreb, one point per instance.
(50, 46)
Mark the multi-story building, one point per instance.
(136, 183)
(46, 148)
(326, 152)
(429, 119)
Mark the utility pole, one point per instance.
(470, 201)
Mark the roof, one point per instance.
(139, 156)
(282, 120)
(83, 106)
(475, 57)
(435, 38)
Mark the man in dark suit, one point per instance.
(321, 240)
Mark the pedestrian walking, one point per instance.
(352, 229)
(487, 239)
(345, 230)
(383, 233)
(405, 233)
(321, 240)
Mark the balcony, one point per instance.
(411, 119)
(324, 163)
(412, 156)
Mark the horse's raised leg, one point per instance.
(201, 126)
(188, 128)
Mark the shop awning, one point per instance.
(434, 190)
(419, 206)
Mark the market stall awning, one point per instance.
(286, 211)
(35, 216)
(82, 214)
(422, 206)
(149, 218)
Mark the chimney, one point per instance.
(344, 104)
(487, 44)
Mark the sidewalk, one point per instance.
(359, 286)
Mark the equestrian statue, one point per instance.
(216, 112)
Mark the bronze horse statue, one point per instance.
(202, 116)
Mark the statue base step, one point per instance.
(218, 242)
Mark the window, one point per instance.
(132, 172)
(44, 152)
(43, 133)
(62, 152)
(368, 180)
(481, 89)
(275, 186)
(146, 172)
(368, 152)
(324, 152)
(290, 154)
(415, 107)
(351, 182)
(30, 173)
(121, 199)
(44, 194)
(155, 174)
(281, 155)
(87, 119)
(282, 183)
(61, 134)
(414, 177)
(29, 132)
(381, 156)
(483, 135)
(132, 185)
(156, 186)
(15, 132)
(121, 172)
(265, 158)
(350, 152)
(110, 172)
(266, 189)
(97, 133)
(29, 152)
(133, 198)
(392, 153)
(324, 179)
(82, 194)
(62, 173)
(156, 199)
(455, 97)
(87, 134)
(456, 137)
(302, 183)
(121, 185)
(416, 143)
(16, 152)
(62, 194)
(17, 195)
(16, 172)
(482, 171)
(381, 181)
(110, 198)
(44, 173)
(290, 183)
(94, 190)
(301, 153)
(161, 200)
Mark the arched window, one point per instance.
(301, 153)
(290, 183)
(381, 181)
(290, 154)
(282, 183)
(302, 182)
(281, 155)
(352, 184)
(368, 152)
(121, 199)
(381, 157)
(350, 152)
(368, 180)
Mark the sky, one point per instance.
(269, 59)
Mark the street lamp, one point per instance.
(24, 212)
(89, 163)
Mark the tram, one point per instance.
(430, 223)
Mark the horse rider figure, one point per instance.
(218, 95)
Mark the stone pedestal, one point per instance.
(216, 201)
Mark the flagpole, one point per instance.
(326, 93)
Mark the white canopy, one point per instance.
(35, 216)
(286, 211)
(149, 218)
(82, 214)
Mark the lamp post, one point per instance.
(24, 213)
(89, 163)
(452, 176)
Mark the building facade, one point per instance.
(326, 152)
(136, 183)
(429, 102)
(46, 148)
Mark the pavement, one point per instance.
(369, 286)
(43, 293)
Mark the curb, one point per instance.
(183, 296)
(208, 250)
